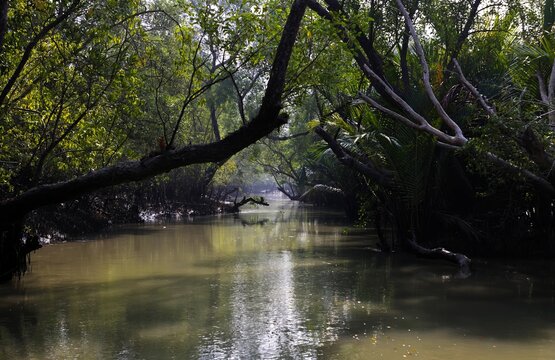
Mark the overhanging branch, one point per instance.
(369, 170)
(268, 119)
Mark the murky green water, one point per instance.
(287, 282)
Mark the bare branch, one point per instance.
(551, 85)
(389, 112)
(479, 97)
(422, 122)
(241, 94)
(464, 33)
(249, 200)
(461, 260)
(459, 136)
(240, 99)
(543, 90)
(551, 96)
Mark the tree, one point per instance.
(410, 93)
(13, 250)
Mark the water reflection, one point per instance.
(284, 282)
(265, 320)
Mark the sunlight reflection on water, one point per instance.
(286, 282)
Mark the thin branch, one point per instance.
(479, 97)
(189, 89)
(3, 21)
(422, 122)
(551, 86)
(538, 181)
(390, 112)
(89, 106)
(287, 137)
(31, 46)
(241, 94)
(240, 99)
(405, 49)
(158, 111)
(287, 161)
(464, 33)
(547, 96)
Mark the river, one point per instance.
(285, 282)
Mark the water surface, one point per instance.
(287, 282)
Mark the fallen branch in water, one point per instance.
(249, 200)
(461, 260)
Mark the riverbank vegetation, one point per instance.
(431, 121)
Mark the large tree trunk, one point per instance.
(14, 250)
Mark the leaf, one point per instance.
(313, 123)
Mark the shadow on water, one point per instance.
(284, 287)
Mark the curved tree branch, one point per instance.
(479, 97)
(268, 119)
(369, 169)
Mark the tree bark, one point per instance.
(214, 121)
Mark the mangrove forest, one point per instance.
(240, 179)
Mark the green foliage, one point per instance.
(116, 76)
(121, 80)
